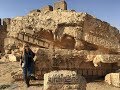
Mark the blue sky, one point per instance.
(106, 10)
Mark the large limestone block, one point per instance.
(106, 58)
(8, 41)
(64, 80)
(113, 79)
(12, 58)
(28, 31)
(101, 42)
(118, 63)
(8, 57)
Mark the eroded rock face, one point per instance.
(113, 79)
(64, 80)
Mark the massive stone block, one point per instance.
(9, 41)
(108, 58)
(26, 38)
(101, 42)
(21, 36)
(64, 80)
(113, 79)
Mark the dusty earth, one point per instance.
(7, 83)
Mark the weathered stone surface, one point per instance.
(100, 42)
(113, 79)
(64, 80)
(6, 21)
(9, 58)
(12, 58)
(60, 5)
(67, 40)
(106, 59)
(47, 8)
(36, 10)
(109, 58)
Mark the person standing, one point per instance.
(27, 64)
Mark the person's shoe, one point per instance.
(32, 77)
(28, 85)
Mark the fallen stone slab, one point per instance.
(64, 80)
(113, 79)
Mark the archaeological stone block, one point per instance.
(60, 5)
(100, 42)
(31, 39)
(64, 80)
(41, 43)
(27, 31)
(26, 38)
(106, 58)
(21, 36)
(8, 41)
(36, 41)
(12, 58)
(113, 79)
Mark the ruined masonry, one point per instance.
(63, 40)
(64, 80)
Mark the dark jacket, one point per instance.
(27, 58)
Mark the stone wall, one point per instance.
(60, 5)
(35, 10)
(47, 8)
(3, 34)
(6, 23)
(60, 59)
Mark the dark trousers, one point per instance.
(28, 70)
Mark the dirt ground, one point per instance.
(7, 83)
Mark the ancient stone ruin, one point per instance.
(113, 79)
(63, 40)
(64, 80)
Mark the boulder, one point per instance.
(9, 57)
